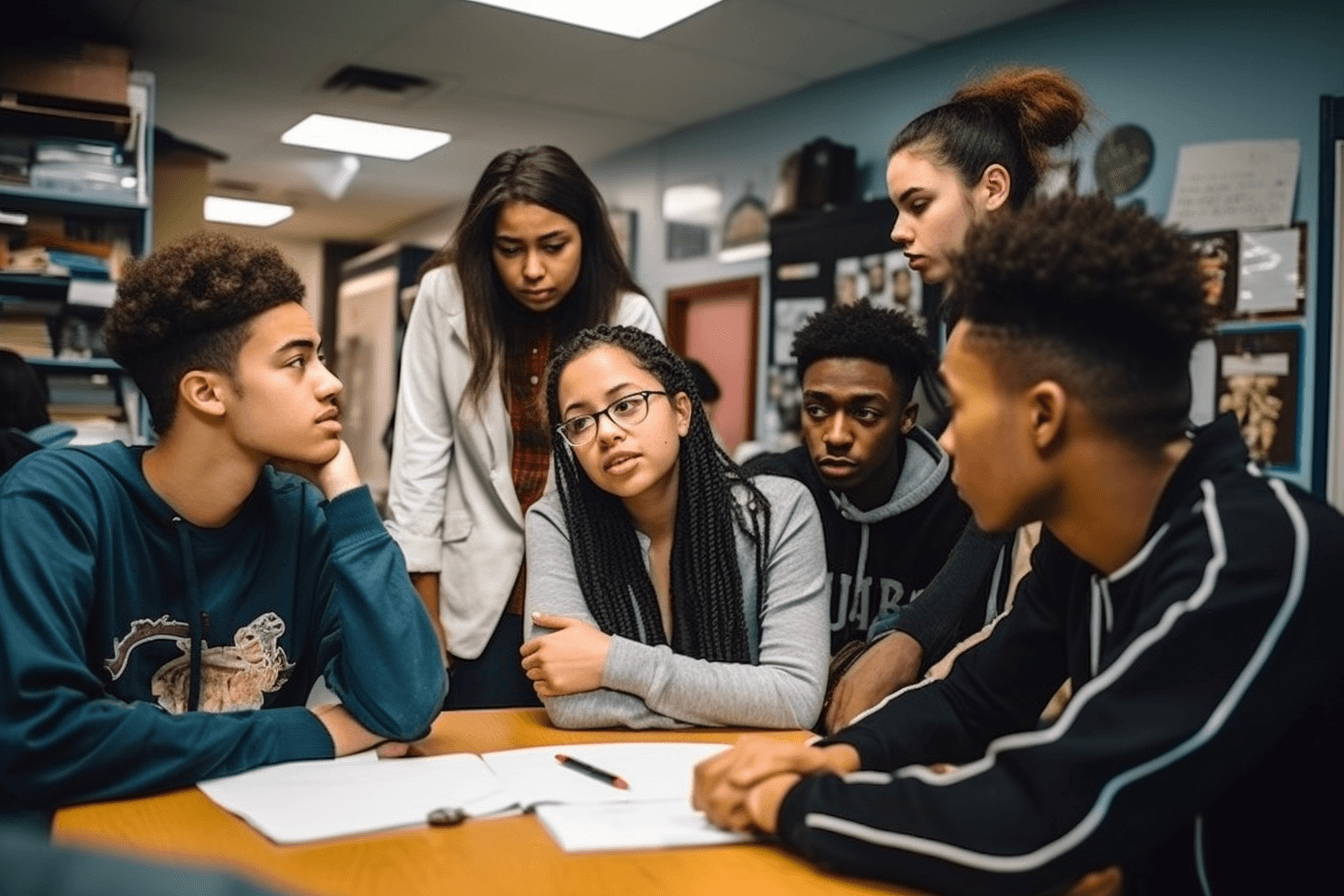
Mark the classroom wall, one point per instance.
(1188, 71)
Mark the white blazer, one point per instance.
(451, 496)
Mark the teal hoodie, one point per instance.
(119, 621)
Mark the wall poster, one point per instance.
(1259, 378)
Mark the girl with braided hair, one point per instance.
(664, 586)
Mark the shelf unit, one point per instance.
(112, 218)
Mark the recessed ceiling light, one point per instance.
(628, 18)
(224, 210)
(364, 138)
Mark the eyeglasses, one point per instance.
(625, 412)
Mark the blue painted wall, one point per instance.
(1189, 71)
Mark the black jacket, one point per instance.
(1200, 749)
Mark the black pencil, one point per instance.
(592, 771)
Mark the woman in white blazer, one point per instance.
(532, 262)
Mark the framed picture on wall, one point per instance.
(1272, 272)
(781, 421)
(904, 289)
(787, 315)
(1218, 264)
(1259, 379)
(623, 228)
(848, 280)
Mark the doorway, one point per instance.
(716, 324)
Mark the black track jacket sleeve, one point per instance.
(1189, 663)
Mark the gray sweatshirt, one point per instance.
(646, 686)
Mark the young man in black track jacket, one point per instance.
(1192, 599)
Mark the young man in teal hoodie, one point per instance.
(167, 610)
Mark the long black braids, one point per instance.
(708, 617)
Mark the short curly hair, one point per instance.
(862, 330)
(1104, 300)
(186, 307)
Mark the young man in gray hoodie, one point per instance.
(889, 511)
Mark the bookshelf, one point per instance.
(75, 203)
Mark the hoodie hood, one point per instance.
(926, 466)
(126, 464)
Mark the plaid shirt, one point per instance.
(525, 366)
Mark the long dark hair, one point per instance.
(549, 177)
(708, 617)
(1011, 118)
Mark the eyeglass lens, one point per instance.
(624, 412)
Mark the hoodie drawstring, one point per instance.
(861, 568)
(197, 620)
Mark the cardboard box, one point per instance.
(86, 71)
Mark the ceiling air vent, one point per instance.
(375, 85)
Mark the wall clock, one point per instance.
(1124, 159)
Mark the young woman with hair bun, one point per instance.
(983, 153)
(985, 150)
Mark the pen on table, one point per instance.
(592, 771)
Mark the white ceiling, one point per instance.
(232, 75)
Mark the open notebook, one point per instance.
(298, 802)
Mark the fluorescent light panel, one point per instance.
(628, 18)
(224, 210)
(364, 138)
(692, 204)
(746, 252)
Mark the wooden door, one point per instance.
(716, 324)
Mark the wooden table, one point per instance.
(482, 856)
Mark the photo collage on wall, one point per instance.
(884, 279)
(1255, 285)
(839, 255)
(1254, 274)
(1258, 378)
(783, 398)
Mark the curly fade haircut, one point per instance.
(186, 307)
(861, 330)
(1104, 300)
(708, 615)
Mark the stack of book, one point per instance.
(82, 166)
(26, 334)
(77, 393)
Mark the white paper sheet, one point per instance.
(579, 827)
(1233, 184)
(1204, 382)
(300, 801)
(654, 771)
